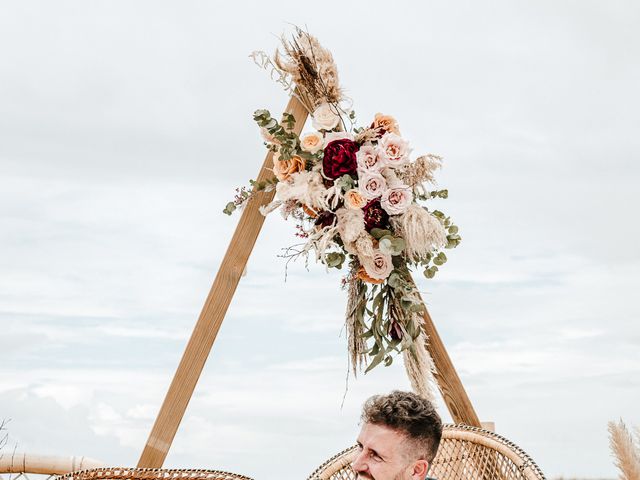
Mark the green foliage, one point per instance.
(289, 120)
(440, 259)
(230, 208)
(345, 182)
(288, 140)
(258, 186)
(430, 272)
(335, 259)
(378, 233)
(444, 194)
(391, 245)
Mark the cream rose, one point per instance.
(325, 117)
(370, 158)
(372, 185)
(379, 266)
(395, 149)
(311, 142)
(283, 169)
(354, 199)
(395, 201)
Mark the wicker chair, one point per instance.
(150, 474)
(467, 453)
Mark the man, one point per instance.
(399, 437)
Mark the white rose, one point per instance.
(331, 136)
(395, 148)
(395, 201)
(379, 266)
(311, 142)
(325, 117)
(372, 184)
(370, 158)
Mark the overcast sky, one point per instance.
(126, 126)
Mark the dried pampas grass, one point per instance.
(350, 224)
(367, 135)
(356, 303)
(305, 187)
(625, 451)
(422, 170)
(312, 68)
(422, 232)
(420, 368)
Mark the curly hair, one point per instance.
(409, 414)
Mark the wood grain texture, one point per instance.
(212, 315)
(449, 384)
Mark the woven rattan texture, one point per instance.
(150, 474)
(465, 453)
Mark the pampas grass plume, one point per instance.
(625, 451)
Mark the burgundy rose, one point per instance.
(325, 219)
(374, 215)
(340, 158)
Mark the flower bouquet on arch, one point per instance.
(355, 195)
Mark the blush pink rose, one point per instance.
(371, 184)
(395, 201)
(395, 148)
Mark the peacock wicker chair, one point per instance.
(150, 474)
(465, 453)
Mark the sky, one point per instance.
(125, 128)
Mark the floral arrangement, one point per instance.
(354, 194)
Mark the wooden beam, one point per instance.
(212, 315)
(453, 393)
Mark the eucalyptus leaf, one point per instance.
(374, 363)
(430, 272)
(378, 233)
(335, 259)
(440, 259)
(394, 280)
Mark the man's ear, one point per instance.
(419, 470)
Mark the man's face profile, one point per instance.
(384, 454)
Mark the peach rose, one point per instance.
(354, 199)
(311, 142)
(386, 122)
(362, 275)
(283, 169)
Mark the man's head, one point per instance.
(399, 437)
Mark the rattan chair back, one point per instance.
(150, 474)
(465, 453)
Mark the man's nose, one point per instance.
(358, 464)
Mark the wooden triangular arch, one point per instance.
(215, 308)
